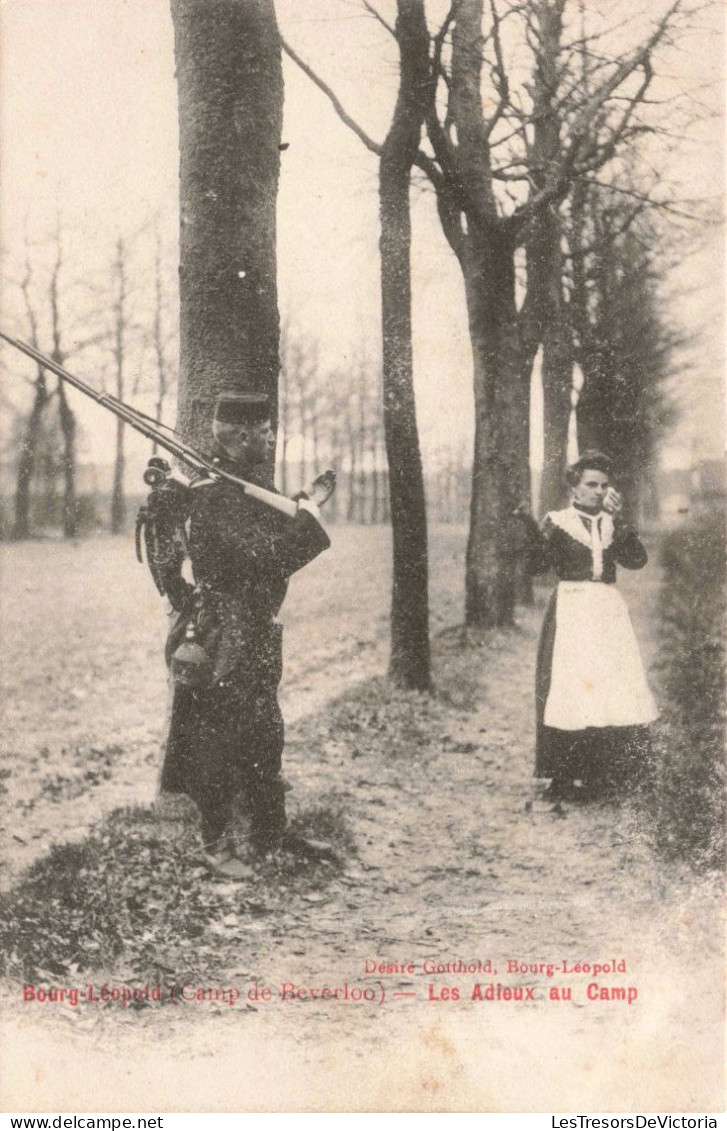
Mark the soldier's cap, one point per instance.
(242, 408)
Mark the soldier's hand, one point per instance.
(322, 487)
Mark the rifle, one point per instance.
(153, 430)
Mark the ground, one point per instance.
(449, 855)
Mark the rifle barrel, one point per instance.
(135, 420)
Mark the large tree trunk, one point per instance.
(557, 391)
(501, 423)
(486, 254)
(410, 656)
(230, 87)
(546, 300)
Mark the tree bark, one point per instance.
(546, 301)
(230, 92)
(410, 664)
(501, 421)
(486, 252)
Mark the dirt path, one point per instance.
(84, 688)
(458, 861)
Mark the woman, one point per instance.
(593, 703)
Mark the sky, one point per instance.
(88, 126)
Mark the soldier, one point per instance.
(227, 736)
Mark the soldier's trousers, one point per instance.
(226, 739)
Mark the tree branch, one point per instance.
(501, 81)
(377, 16)
(345, 117)
(570, 166)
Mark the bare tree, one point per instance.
(493, 184)
(69, 427)
(485, 227)
(120, 360)
(160, 335)
(544, 318)
(410, 662)
(28, 447)
(58, 328)
(625, 341)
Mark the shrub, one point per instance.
(687, 803)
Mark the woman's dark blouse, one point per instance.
(552, 547)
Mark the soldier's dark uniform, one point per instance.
(228, 736)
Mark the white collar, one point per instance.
(569, 520)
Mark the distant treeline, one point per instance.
(361, 498)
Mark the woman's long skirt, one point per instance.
(592, 698)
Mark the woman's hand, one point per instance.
(613, 503)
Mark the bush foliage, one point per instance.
(688, 801)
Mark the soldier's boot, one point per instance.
(219, 847)
(216, 832)
(267, 805)
(268, 825)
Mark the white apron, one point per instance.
(597, 678)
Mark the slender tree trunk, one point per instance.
(302, 463)
(334, 504)
(68, 428)
(158, 338)
(315, 441)
(118, 498)
(363, 479)
(29, 447)
(230, 87)
(352, 475)
(66, 414)
(410, 656)
(48, 509)
(26, 462)
(374, 452)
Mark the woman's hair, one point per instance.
(589, 461)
